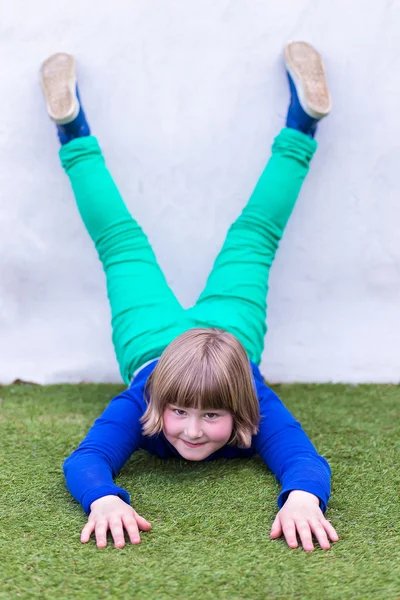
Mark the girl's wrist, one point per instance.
(302, 495)
(102, 499)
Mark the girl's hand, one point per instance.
(301, 513)
(110, 512)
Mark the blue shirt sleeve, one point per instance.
(115, 435)
(287, 451)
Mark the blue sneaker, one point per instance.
(310, 99)
(59, 84)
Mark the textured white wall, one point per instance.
(185, 98)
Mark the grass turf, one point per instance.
(210, 520)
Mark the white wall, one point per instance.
(185, 97)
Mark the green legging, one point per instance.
(146, 315)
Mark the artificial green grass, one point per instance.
(211, 521)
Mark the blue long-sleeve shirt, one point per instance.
(117, 433)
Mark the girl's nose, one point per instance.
(193, 430)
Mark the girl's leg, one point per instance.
(146, 315)
(234, 298)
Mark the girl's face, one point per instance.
(197, 433)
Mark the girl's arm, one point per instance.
(115, 435)
(288, 452)
(303, 473)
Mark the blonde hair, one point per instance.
(204, 369)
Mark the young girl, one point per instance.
(195, 389)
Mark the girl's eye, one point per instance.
(211, 415)
(179, 411)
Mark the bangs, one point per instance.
(198, 386)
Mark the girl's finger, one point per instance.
(276, 529)
(101, 534)
(87, 532)
(320, 533)
(142, 523)
(304, 531)
(330, 530)
(117, 533)
(289, 531)
(132, 528)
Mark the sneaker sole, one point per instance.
(304, 65)
(58, 79)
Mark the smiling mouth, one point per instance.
(193, 445)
